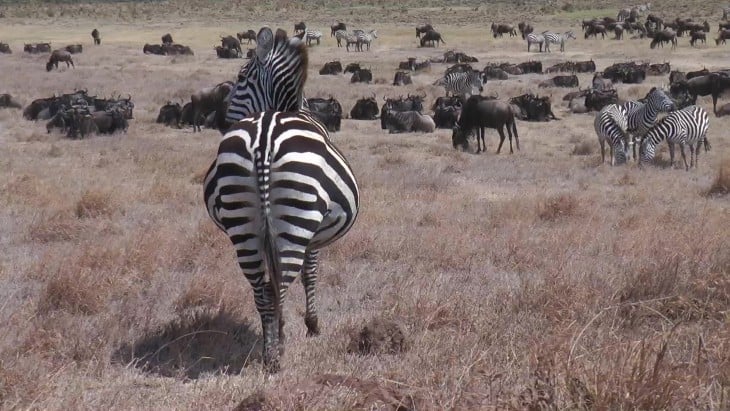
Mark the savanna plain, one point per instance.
(537, 280)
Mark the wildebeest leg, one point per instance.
(517, 137)
(501, 140)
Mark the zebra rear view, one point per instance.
(278, 187)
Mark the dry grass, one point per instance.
(538, 280)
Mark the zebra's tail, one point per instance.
(271, 251)
(442, 39)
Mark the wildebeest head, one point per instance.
(265, 70)
(167, 39)
(402, 78)
(169, 114)
(352, 67)
(362, 76)
(5, 48)
(365, 109)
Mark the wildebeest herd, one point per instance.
(466, 112)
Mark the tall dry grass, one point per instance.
(538, 280)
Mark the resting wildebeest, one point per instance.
(533, 108)
(432, 36)
(337, 26)
(74, 48)
(402, 78)
(405, 121)
(492, 72)
(530, 67)
(7, 101)
(170, 114)
(96, 36)
(478, 113)
(413, 102)
(664, 36)
(232, 43)
(352, 68)
(599, 83)
(629, 73)
(226, 53)
(498, 30)
(208, 100)
(110, 121)
(362, 76)
(365, 109)
(249, 35)
(331, 68)
(595, 100)
(5, 48)
(167, 39)
(153, 49)
(525, 29)
(451, 56)
(177, 49)
(658, 69)
(560, 81)
(425, 28)
(59, 55)
(82, 123)
(328, 111)
(37, 48)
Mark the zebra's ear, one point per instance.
(264, 42)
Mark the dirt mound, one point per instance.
(378, 336)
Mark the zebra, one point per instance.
(610, 124)
(351, 40)
(312, 35)
(642, 116)
(366, 38)
(339, 36)
(278, 187)
(462, 83)
(686, 126)
(557, 38)
(533, 38)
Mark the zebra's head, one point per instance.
(569, 35)
(658, 99)
(274, 77)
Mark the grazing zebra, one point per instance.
(533, 38)
(462, 83)
(366, 38)
(312, 35)
(557, 38)
(278, 187)
(642, 116)
(339, 36)
(686, 126)
(610, 124)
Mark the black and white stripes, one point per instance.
(462, 83)
(534, 38)
(610, 125)
(557, 38)
(686, 126)
(278, 186)
(642, 116)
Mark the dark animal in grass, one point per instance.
(74, 48)
(561, 81)
(110, 121)
(533, 108)
(231, 43)
(186, 116)
(153, 49)
(328, 111)
(402, 78)
(365, 109)
(423, 29)
(352, 68)
(59, 56)
(170, 114)
(724, 110)
(7, 101)
(167, 39)
(300, 27)
(479, 113)
(337, 26)
(331, 68)
(177, 49)
(498, 30)
(248, 35)
(5, 48)
(713, 84)
(208, 100)
(362, 76)
(37, 48)
(406, 121)
(226, 53)
(722, 36)
(525, 29)
(697, 36)
(698, 73)
(432, 37)
(96, 37)
(658, 69)
(664, 36)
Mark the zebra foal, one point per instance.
(686, 126)
(278, 187)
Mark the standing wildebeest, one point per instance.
(478, 113)
(7, 101)
(59, 55)
(594, 30)
(697, 35)
(713, 84)
(498, 30)
(231, 43)
(5, 48)
(246, 35)
(208, 100)
(432, 36)
(300, 27)
(722, 36)
(337, 26)
(664, 36)
(423, 29)
(525, 29)
(74, 48)
(96, 36)
(167, 39)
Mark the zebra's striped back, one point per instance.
(273, 79)
(534, 38)
(462, 83)
(686, 126)
(312, 35)
(610, 125)
(366, 38)
(339, 36)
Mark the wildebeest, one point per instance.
(600, 83)
(352, 68)
(365, 109)
(362, 76)
(451, 56)
(595, 100)
(423, 29)
(226, 53)
(724, 110)
(82, 123)
(697, 35)
(676, 75)
(300, 27)
(402, 78)
(249, 35)
(177, 49)
(331, 68)
(110, 121)
(96, 36)
(5, 48)
(492, 72)
(722, 36)
(170, 114)
(531, 66)
(658, 69)
(37, 48)
(231, 43)
(74, 48)
(629, 73)
(478, 113)
(337, 26)
(498, 30)
(153, 49)
(533, 108)
(167, 39)
(432, 37)
(561, 81)
(328, 111)
(59, 55)
(664, 36)
(406, 121)
(7, 101)
(714, 84)
(208, 100)
(698, 73)
(595, 30)
(525, 29)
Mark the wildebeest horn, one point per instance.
(373, 94)
(129, 96)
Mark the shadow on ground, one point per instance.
(197, 343)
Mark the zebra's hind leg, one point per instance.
(684, 157)
(309, 280)
(602, 142)
(671, 153)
